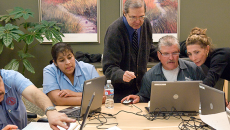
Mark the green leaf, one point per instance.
(18, 15)
(27, 55)
(1, 46)
(48, 35)
(17, 32)
(15, 36)
(7, 39)
(28, 66)
(57, 28)
(29, 39)
(56, 35)
(51, 23)
(54, 41)
(11, 46)
(39, 38)
(2, 29)
(8, 19)
(26, 16)
(44, 22)
(10, 26)
(9, 10)
(16, 10)
(13, 65)
(23, 55)
(22, 37)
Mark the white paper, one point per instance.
(114, 128)
(218, 121)
(46, 126)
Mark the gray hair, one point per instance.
(168, 40)
(133, 4)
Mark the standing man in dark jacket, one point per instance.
(125, 62)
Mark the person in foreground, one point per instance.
(13, 113)
(63, 80)
(201, 51)
(125, 57)
(170, 68)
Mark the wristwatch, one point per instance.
(50, 108)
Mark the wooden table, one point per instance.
(128, 121)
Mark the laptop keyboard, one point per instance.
(75, 113)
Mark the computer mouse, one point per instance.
(126, 102)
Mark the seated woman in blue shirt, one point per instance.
(63, 79)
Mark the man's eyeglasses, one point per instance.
(135, 18)
(168, 54)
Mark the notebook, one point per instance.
(212, 100)
(91, 86)
(182, 95)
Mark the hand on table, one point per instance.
(57, 119)
(135, 98)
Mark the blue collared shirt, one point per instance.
(131, 30)
(12, 110)
(54, 78)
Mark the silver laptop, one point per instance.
(181, 95)
(91, 86)
(87, 112)
(212, 100)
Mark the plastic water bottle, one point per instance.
(109, 93)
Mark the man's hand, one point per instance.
(10, 127)
(128, 76)
(58, 119)
(135, 98)
(69, 93)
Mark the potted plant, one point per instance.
(25, 33)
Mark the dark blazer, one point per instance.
(119, 57)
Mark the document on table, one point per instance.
(46, 126)
(113, 128)
(218, 121)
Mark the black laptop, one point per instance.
(91, 86)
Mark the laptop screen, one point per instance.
(91, 86)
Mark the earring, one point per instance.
(207, 54)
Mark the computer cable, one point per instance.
(163, 114)
(193, 123)
(131, 105)
(101, 117)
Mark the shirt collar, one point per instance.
(77, 69)
(182, 65)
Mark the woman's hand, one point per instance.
(69, 93)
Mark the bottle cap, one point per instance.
(109, 81)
